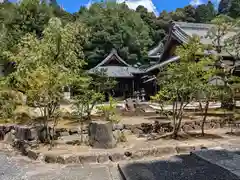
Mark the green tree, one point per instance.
(181, 82)
(224, 6)
(234, 9)
(222, 26)
(115, 26)
(83, 105)
(44, 66)
(190, 13)
(205, 12)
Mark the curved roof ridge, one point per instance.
(193, 25)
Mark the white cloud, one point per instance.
(89, 4)
(196, 2)
(133, 4)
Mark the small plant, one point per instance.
(122, 137)
(109, 110)
(83, 106)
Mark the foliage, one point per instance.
(83, 105)
(115, 26)
(44, 66)
(101, 82)
(205, 12)
(184, 80)
(109, 110)
(222, 26)
(9, 100)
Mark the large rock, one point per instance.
(101, 135)
(26, 133)
(9, 137)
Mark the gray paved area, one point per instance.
(184, 167)
(21, 168)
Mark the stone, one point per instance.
(50, 158)
(42, 134)
(137, 131)
(187, 128)
(157, 127)
(74, 131)
(68, 159)
(147, 128)
(33, 134)
(9, 137)
(115, 157)
(85, 138)
(85, 159)
(118, 127)
(155, 151)
(72, 140)
(101, 135)
(33, 154)
(102, 158)
(197, 127)
(207, 125)
(127, 132)
(117, 134)
(184, 149)
(65, 133)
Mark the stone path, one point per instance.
(21, 168)
(201, 165)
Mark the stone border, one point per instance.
(87, 158)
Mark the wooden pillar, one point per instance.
(133, 88)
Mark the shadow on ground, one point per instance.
(183, 136)
(182, 167)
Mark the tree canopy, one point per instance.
(110, 25)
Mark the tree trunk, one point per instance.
(179, 121)
(81, 131)
(204, 117)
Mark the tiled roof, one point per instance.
(183, 31)
(125, 71)
(117, 71)
(162, 64)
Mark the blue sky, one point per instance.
(169, 5)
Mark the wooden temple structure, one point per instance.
(131, 78)
(127, 76)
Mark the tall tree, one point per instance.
(181, 82)
(224, 6)
(190, 13)
(156, 33)
(234, 9)
(205, 12)
(44, 66)
(115, 26)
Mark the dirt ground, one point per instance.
(214, 137)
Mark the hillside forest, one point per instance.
(132, 32)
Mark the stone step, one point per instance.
(223, 158)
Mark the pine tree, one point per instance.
(224, 6)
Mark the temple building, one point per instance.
(127, 76)
(179, 34)
(132, 78)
